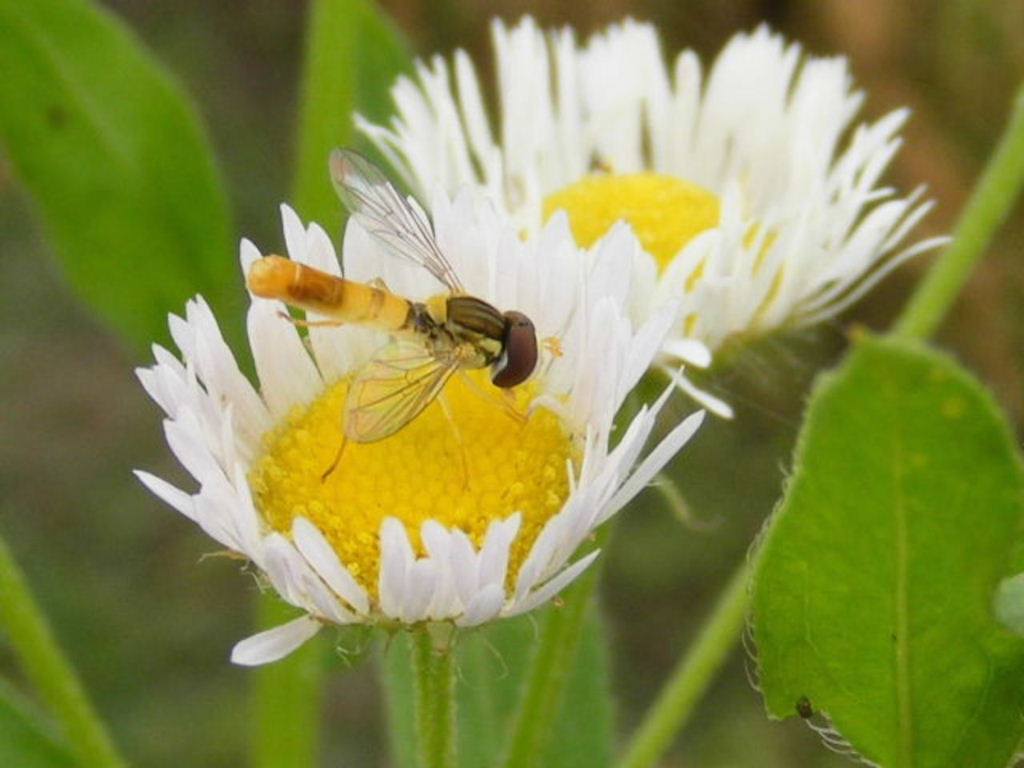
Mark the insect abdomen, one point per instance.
(275, 277)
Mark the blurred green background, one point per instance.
(149, 622)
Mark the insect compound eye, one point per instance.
(519, 356)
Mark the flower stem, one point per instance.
(286, 695)
(352, 54)
(286, 698)
(692, 675)
(434, 668)
(49, 670)
(988, 205)
(549, 669)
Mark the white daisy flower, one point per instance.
(755, 196)
(461, 518)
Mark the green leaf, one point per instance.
(491, 664)
(49, 671)
(873, 594)
(113, 154)
(26, 739)
(353, 55)
(1009, 603)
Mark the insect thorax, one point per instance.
(475, 323)
(463, 323)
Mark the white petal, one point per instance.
(247, 519)
(439, 543)
(537, 563)
(554, 585)
(177, 498)
(495, 551)
(717, 406)
(689, 351)
(655, 461)
(484, 606)
(324, 560)
(320, 253)
(325, 603)
(436, 539)
(396, 558)
(421, 581)
(287, 374)
(464, 567)
(274, 644)
(294, 233)
(247, 254)
(218, 370)
(186, 441)
(215, 515)
(285, 568)
(155, 381)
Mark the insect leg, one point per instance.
(443, 402)
(509, 405)
(503, 399)
(337, 459)
(310, 323)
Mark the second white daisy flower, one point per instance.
(756, 198)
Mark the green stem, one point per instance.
(548, 673)
(286, 698)
(434, 696)
(49, 671)
(692, 675)
(326, 102)
(286, 695)
(353, 53)
(989, 204)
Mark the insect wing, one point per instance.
(392, 389)
(388, 216)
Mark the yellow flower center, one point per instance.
(666, 212)
(485, 464)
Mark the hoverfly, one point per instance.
(430, 340)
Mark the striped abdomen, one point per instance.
(275, 277)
